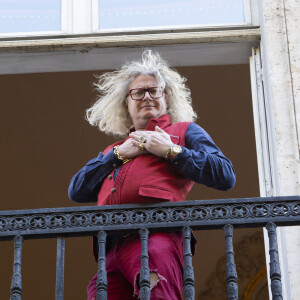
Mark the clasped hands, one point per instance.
(156, 142)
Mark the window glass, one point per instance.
(151, 13)
(30, 15)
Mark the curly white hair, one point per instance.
(110, 112)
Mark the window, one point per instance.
(20, 18)
(30, 16)
(134, 14)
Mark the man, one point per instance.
(161, 156)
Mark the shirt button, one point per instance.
(113, 190)
(109, 177)
(114, 165)
(176, 163)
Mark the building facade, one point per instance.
(266, 39)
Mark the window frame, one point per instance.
(250, 11)
(81, 17)
(65, 19)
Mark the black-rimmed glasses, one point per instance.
(154, 92)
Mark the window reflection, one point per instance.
(150, 13)
(30, 15)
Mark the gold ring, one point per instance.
(142, 146)
(142, 139)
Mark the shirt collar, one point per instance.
(162, 122)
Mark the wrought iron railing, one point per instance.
(228, 214)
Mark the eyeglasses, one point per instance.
(154, 92)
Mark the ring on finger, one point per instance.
(142, 139)
(142, 146)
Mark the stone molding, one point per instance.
(87, 43)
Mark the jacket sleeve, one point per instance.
(86, 183)
(203, 162)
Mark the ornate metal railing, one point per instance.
(228, 214)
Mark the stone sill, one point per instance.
(87, 43)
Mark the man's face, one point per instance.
(141, 111)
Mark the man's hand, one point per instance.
(130, 149)
(157, 142)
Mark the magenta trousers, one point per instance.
(123, 267)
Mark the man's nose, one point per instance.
(147, 96)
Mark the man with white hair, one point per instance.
(161, 155)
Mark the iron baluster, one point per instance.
(16, 284)
(144, 272)
(188, 271)
(275, 274)
(102, 274)
(231, 274)
(60, 268)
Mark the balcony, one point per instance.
(226, 214)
